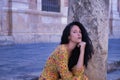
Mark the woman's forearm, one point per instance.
(80, 60)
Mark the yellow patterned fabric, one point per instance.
(56, 67)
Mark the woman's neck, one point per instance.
(70, 47)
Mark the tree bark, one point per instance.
(93, 14)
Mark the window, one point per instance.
(118, 6)
(51, 5)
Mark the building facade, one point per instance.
(114, 19)
(32, 21)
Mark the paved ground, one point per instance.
(24, 62)
(114, 50)
(114, 59)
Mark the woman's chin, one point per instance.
(79, 41)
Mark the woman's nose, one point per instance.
(79, 34)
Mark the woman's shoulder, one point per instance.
(60, 52)
(61, 47)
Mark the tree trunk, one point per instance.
(93, 14)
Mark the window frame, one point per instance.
(51, 7)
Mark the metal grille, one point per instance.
(51, 5)
(118, 6)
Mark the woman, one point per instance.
(68, 60)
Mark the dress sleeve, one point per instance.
(62, 66)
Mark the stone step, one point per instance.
(6, 40)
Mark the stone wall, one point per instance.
(93, 14)
(114, 19)
(27, 23)
(0, 17)
(33, 25)
(4, 18)
(5, 23)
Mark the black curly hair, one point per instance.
(76, 52)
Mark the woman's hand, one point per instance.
(82, 45)
(81, 56)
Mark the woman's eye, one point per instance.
(74, 31)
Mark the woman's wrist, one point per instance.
(82, 51)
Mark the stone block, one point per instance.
(6, 40)
(23, 38)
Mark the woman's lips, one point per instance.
(79, 37)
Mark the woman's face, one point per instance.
(75, 34)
